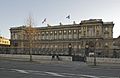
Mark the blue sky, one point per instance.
(15, 12)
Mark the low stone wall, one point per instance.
(34, 57)
(104, 60)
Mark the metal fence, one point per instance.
(114, 53)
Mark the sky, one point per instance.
(14, 13)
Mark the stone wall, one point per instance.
(34, 57)
(104, 60)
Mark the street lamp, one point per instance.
(70, 48)
(95, 52)
(86, 51)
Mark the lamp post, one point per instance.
(95, 52)
(70, 48)
(86, 51)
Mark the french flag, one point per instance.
(68, 17)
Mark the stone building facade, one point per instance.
(116, 46)
(91, 35)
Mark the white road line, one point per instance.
(36, 72)
(68, 74)
(56, 74)
(21, 71)
(90, 76)
(108, 77)
(81, 75)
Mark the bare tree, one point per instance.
(30, 32)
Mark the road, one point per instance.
(54, 69)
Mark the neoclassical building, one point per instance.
(91, 35)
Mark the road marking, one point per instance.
(36, 72)
(56, 74)
(68, 74)
(90, 76)
(21, 71)
(80, 75)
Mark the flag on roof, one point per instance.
(68, 17)
(44, 21)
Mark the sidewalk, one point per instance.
(104, 65)
(34, 57)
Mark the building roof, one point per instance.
(90, 21)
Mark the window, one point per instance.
(46, 32)
(15, 36)
(79, 46)
(97, 33)
(70, 36)
(60, 36)
(69, 31)
(55, 32)
(60, 32)
(42, 33)
(106, 44)
(39, 37)
(64, 31)
(47, 36)
(84, 33)
(106, 28)
(75, 36)
(51, 32)
(55, 36)
(106, 35)
(90, 32)
(75, 31)
(65, 36)
(43, 37)
(79, 31)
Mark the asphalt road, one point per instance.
(54, 69)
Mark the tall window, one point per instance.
(15, 36)
(106, 35)
(97, 33)
(106, 29)
(47, 36)
(79, 33)
(60, 35)
(39, 36)
(43, 35)
(90, 32)
(84, 33)
(51, 35)
(75, 34)
(70, 34)
(65, 34)
(55, 35)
